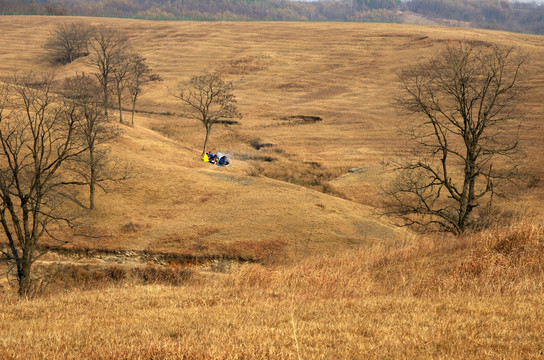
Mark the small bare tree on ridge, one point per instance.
(69, 41)
(209, 99)
(110, 47)
(139, 75)
(94, 131)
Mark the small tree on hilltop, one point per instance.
(139, 74)
(121, 73)
(110, 47)
(463, 139)
(94, 130)
(130, 73)
(209, 99)
(69, 41)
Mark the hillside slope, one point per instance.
(177, 204)
(343, 73)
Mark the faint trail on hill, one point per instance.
(242, 181)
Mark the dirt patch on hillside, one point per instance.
(293, 85)
(133, 257)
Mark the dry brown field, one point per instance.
(310, 269)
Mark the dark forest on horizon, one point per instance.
(489, 14)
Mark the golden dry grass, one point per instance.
(346, 282)
(414, 301)
(169, 323)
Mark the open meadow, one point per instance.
(283, 254)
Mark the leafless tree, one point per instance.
(94, 130)
(69, 41)
(463, 100)
(36, 141)
(121, 73)
(110, 47)
(209, 99)
(139, 74)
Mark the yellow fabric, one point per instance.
(205, 158)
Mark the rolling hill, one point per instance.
(344, 74)
(296, 261)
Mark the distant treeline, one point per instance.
(494, 14)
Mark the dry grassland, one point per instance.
(478, 297)
(343, 73)
(332, 279)
(157, 322)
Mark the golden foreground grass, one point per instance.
(157, 322)
(478, 297)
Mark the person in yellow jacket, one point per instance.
(205, 158)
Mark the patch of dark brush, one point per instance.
(227, 122)
(301, 119)
(263, 158)
(314, 164)
(259, 146)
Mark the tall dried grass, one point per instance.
(507, 261)
(474, 297)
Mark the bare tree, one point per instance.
(94, 130)
(36, 140)
(209, 99)
(463, 100)
(139, 74)
(69, 41)
(110, 48)
(121, 73)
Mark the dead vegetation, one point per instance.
(64, 276)
(502, 261)
(418, 299)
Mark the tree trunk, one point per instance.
(106, 96)
(92, 183)
(133, 111)
(466, 204)
(91, 193)
(119, 100)
(23, 275)
(205, 141)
